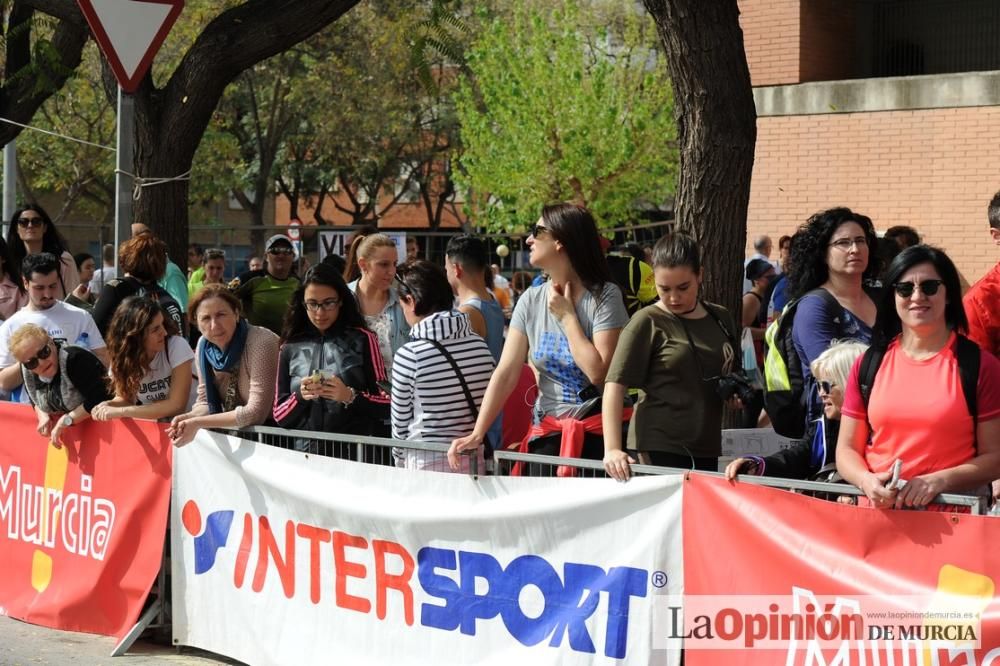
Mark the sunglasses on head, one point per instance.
(536, 230)
(30, 222)
(403, 287)
(927, 287)
(42, 354)
(281, 250)
(827, 387)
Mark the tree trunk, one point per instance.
(716, 128)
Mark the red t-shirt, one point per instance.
(917, 410)
(982, 308)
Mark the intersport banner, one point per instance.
(81, 526)
(285, 558)
(779, 578)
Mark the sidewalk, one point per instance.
(24, 644)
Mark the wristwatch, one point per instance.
(67, 420)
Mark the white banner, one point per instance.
(335, 242)
(287, 558)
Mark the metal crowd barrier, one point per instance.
(383, 451)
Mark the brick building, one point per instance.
(890, 107)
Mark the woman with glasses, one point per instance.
(13, 295)
(235, 362)
(376, 294)
(567, 328)
(917, 410)
(816, 458)
(64, 382)
(31, 231)
(330, 367)
(150, 369)
(831, 260)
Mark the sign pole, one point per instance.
(9, 182)
(125, 163)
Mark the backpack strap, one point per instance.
(871, 361)
(969, 356)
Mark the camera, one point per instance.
(735, 385)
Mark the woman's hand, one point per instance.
(105, 411)
(561, 301)
(44, 423)
(310, 389)
(82, 292)
(467, 443)
(740, 466)
(617, 464)
(873, 486)
(334, 388)
(920, 491)
(56, 435)
(183, 429)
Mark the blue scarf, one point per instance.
(214, 360)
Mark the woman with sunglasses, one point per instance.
(31, 231)
(329, 367)
(830, 263)
(568, 328)
(917, 410)
(150, 369)
(64, 382)
(376, 294)
(13, 295)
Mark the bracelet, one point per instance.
(354, 394)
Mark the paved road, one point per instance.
(27, 645)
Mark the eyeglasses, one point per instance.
(403, 287)
(846, 244)
(281, 250)
(42, 354)
(826, 387)
(328, 304)
(536, 230)
(26, 222)
(927, 287)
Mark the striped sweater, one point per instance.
(428, 403)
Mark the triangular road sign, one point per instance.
(130, 33)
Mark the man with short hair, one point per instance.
(266, 293)
(255, 263)
(106, 273)
(982, 301)
(762, 250)
(412, 248)
(65, 324)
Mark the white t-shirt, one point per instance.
(155, 385)
(101, 277)
(64, 323)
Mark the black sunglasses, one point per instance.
(30, 222)
(536, 230)
(927, 287)
(42, 354)
(827, 387)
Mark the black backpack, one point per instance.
(785, 397)
(966, 352)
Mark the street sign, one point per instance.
(130, 33)
(293, 230)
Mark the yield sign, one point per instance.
(130, 33)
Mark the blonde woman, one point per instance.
(376, 295)
(831, 370)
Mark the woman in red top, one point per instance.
(917, 411)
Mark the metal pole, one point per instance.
(9, 182)
(124, 165)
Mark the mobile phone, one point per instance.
(588, 393)
(897, 467)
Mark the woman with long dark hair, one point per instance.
(31, 231)
(568, 328)
(329, 366)
(150, 369)
(917, 409)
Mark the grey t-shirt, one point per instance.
(559, 378)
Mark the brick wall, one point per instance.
(771, 39)
(932, 169)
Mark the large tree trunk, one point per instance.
(170, 121)
(716, 123)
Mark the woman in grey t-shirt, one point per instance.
(567, 328)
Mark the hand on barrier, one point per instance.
(105, 411)
(467, 443)
(617, 464)
(740, 466)
(182, 429)
(56, 435)
(44, 424)
(873, 485)
(920, 491)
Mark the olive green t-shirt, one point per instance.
(678, 408)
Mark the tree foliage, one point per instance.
(556, 109)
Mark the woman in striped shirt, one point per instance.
(440, 375)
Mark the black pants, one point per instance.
(683, 461)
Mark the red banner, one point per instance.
(82, 526)
(741, 539)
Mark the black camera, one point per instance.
(735, 385)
